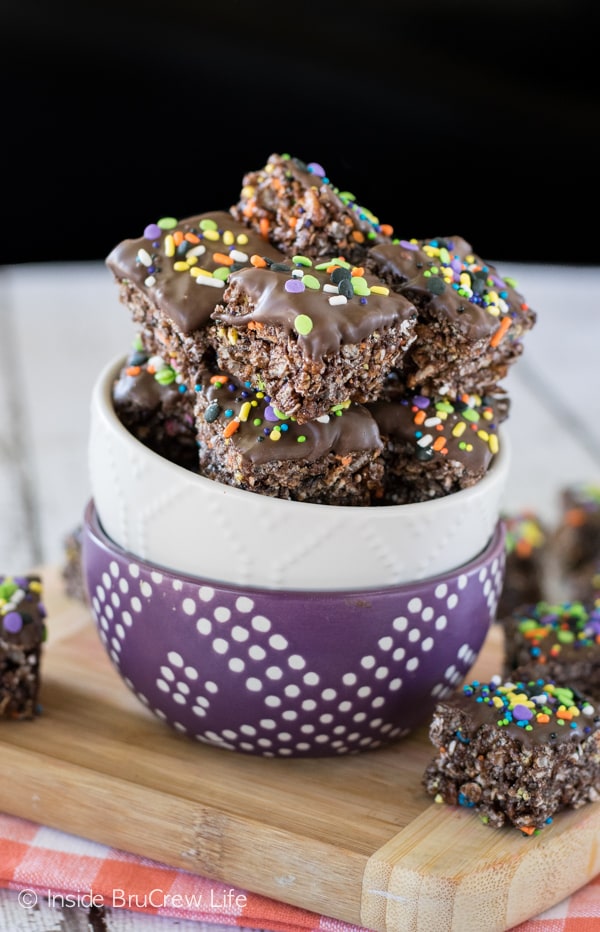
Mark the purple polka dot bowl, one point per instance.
(288, 673)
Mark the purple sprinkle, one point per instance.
(522, 712)
(21, 581)
(270, 414)
(316, 169)
(12, 622)
(152, 231)
(421, 401)
(407, 245)
(294, 285)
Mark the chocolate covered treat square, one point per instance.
(527, 545)
(300, 210)
(516, 752)
(312, 335)
(171, 278)
(245, 441)
(153, 402)
(22, 633)
(434, 446)
(471, 320)
(558, 641)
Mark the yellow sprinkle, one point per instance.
(379, 289)
(195, 272)
(169, 246)
(483, 435)
(497, 702)
(248, 190)
(459, 429)
(191, 260)
(431, 251)
(213, 235)
(275, 434)
(493, 443)
(181, 266)
(488, 415)
(245, 411)
(465, 279)
(228, 238)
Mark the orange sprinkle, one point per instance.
(292, 222)
(386, 229)
(255, 325)
(133, 370)
(150, 369)
(439, 443)
(222, 258)
(219, 378)
(419, 417)
(258, 262)
(178, 237)
(265, 226)
(357, 236)
(527, 829)
(231, 428)
(192, 238)
(575, 517)
(248, 211)
(523, 549)
(500, 332)
(542, 718)
(565, 713)
(358, 271)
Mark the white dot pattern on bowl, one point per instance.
(304, 709)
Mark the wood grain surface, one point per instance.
(355, 838)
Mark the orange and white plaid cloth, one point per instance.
(47, 869)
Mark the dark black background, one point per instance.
(465, 117)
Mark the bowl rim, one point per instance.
(93, 528)
(102, 403)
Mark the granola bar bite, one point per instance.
(244, 440)
(558, 641)
(516, 752)
(313, 335)
(434, 446)
(171, 278)
(155, 405)
(471, 320)
(297, 207)
(527, 545)
(22, 633)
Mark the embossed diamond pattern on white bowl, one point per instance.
(179, 520)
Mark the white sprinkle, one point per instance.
(338, 299)
(425, 440)
(238, 256)
(432, 421)
(144, 257)
(198, 250)
(323, 419)
(298, 273)
(332, 289)
(148, 282)
(209, 280)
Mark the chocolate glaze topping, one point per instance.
(566, 632)
(533, 712)
(323, 306)
(462, 429)
(262, 434)
(446, 279)
(168, 261)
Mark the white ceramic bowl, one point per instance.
(181, 521)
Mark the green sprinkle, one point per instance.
(221, 272)
(303, 324)
(165, 376)
(301, 438)
(301, 260)
(359, 285)
(207, 224)
(279, 414)
(309, 281)
(167, 223)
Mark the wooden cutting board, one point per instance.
(355, 838)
